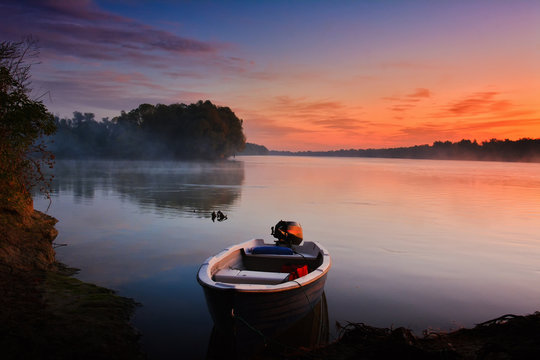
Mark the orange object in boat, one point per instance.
(302, 271)
(295, 271)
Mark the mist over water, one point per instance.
(417, 243)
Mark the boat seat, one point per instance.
(235, 276)
(293, 257)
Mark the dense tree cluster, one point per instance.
(23, 122)
(178, 131)
(526, 150)
(254, 149)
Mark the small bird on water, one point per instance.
(219, 216)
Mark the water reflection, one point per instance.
(187, 188)
(414, 243)
(128, 220)
(245, 342)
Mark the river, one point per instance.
(415, 243)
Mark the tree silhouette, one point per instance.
(177, 131)
(23, 122)
(525, 150)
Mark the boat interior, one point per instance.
(245, 266)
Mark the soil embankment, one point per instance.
(45, 313)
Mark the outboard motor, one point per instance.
(287, 233)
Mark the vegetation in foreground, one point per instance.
(44, 312)
(507, 337)
(23, 123)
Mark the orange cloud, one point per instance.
(269, 130)
(420, 93)
(302, 105)
(345, 124)
(481, 130)
(291, 123)
(401, 107)
(409, 101)
(478, 103)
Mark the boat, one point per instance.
(265, 286)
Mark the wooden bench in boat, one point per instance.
(235, 276)
(294, 257)
(274, 262)
(271, 255)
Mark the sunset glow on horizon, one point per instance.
(303, 75)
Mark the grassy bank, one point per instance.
(46, 313)
(52, 315)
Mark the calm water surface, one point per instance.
(416, 243)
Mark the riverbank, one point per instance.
(46, 313)
(507, 337)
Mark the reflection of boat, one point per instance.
(265, 286)
(309, 332)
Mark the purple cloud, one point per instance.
(107, 90)
(81, 30)
(94, 60)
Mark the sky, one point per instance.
(302, 75)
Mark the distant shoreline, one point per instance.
(523, 150)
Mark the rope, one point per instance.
(260, 333)
(268, 340)
(305, 294)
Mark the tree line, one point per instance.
(178, 131)
(525, 150)
(254, 149)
